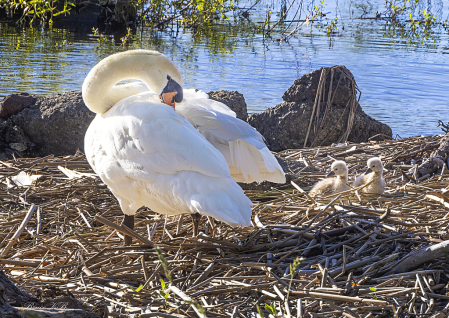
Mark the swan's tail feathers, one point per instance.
(249, 164)
(234, 207)
(275, 172)
(245, 160)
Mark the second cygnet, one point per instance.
(374, 173)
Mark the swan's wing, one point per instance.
(242, 145)
(148, 155)
(195, 94)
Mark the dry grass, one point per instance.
(52, 233)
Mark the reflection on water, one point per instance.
(404, 81)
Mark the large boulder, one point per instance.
(55, 124)
(285, 126)
(14, 103)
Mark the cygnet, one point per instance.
(331, 186)
(374, 173)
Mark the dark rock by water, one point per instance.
(285, 126)
(55, 124)
(14, 103)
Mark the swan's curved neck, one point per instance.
(150, 67)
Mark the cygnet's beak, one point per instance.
(172, 93)
(330, 174)
(368, 171)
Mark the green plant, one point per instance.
(259, 311)
(127, 38)
(193, 13)
(317, 10)
(271, 308)
(373, 289)
(42, 10)
(293, 267)
(332, 27)
(394, 8)
(162, 293)
(428, 18)
(404, 21)
(164, 263)
(200, 308)
(100, 36)
(138, 289)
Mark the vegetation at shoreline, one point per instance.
(413, 20)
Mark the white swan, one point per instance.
(248, 157)
(146, 153)
(331, 186)
(374, 173)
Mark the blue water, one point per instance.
(404, 81)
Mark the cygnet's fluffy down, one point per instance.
(331, 186)
(374, 173)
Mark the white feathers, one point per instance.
(248, 157)
(243, 147)
(149, 155)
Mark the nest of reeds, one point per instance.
(351, 255)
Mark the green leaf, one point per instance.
(259, 311)
(164, 263)
(200, 308)
(372, 289)
(162, 283)
(139, 288)
(271, 309)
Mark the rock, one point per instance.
(55, 124)
(30, 306)
(16, 139)
(12, 294)
(233, 100)
(285, 126)
(438, 158)
(14, 103)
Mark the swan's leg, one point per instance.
(128, 220)
(196, 217)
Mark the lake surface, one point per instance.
(404, 80)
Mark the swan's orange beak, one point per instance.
(171, 93)
(169, 98)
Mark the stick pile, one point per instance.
(350, 255)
